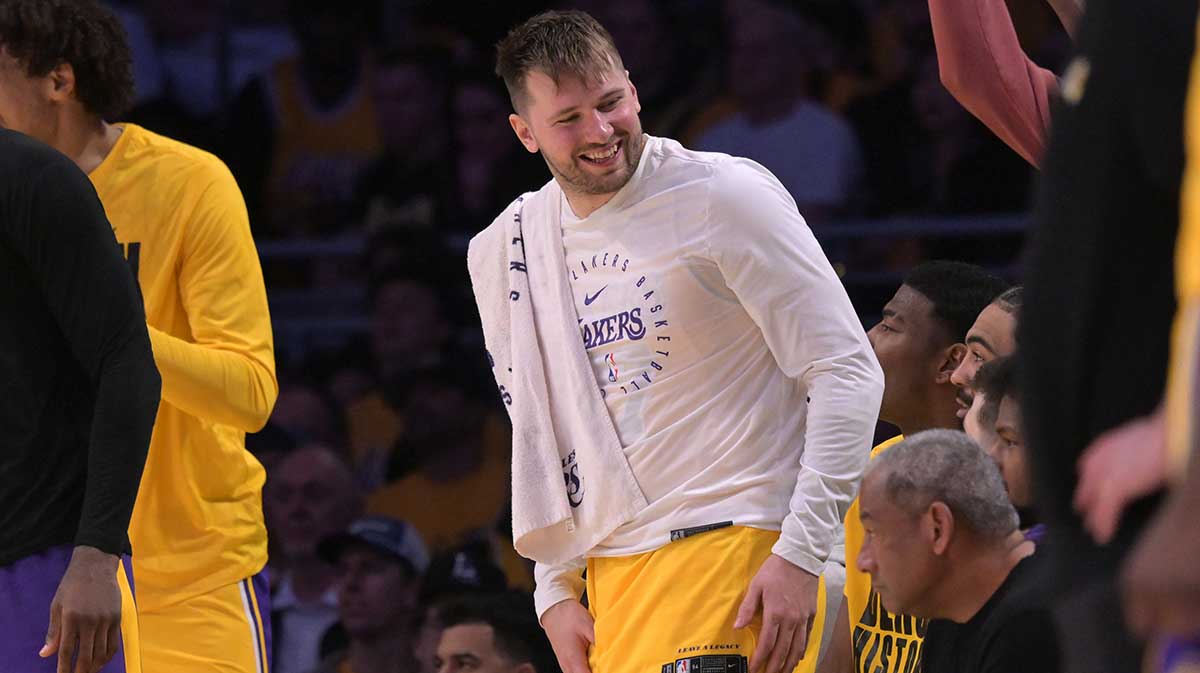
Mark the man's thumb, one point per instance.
(52, 634)
(748, 607)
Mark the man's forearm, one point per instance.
(126, 404)
(220, 385)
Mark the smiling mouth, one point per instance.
(603, 156)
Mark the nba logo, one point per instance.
(681, 666)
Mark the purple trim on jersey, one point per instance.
(1180, 655)
(261, 584)
(27, 587)
(1036, 534)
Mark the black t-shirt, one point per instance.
(78, 386)
(1012, 633)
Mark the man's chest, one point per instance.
(646, 311)
(150, 238)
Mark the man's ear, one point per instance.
(60, 83)
(951, 358)
(524, 133)
(938, 525)
(637, 104)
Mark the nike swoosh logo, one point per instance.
(588, 299)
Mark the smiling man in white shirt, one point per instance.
(736, 373)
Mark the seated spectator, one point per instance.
(812, 151)
(300, 135)
(270, 445)
(181, 82)
(964, 168)
(494, 634)
(467, 570)
(380, 562)
(942, 543)
(410, 332)
(305, 413)
(998, 396)
(449, 473)
(411, 184)
(310, 496)
(490, 168)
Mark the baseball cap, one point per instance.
(468, 568)
(388, 535)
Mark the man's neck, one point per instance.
(584, 205)
(981, 574)
(387, 652)
(939, 414)
(311, 578)
(88, 143)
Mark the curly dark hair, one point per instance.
(43, 34)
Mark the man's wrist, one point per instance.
(803, 560)
(93, 557)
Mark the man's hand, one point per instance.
(571, 629)
(788, 599)
(1120, 466)
(1161, 579)
(85, 615)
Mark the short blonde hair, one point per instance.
(556, 43)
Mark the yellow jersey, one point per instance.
(319, 155)
(447, 514)
(881, 642)
(180, 217)
(1183, 375)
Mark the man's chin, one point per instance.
(889, 603)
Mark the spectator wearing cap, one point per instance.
(380, 563)
(467, 570)
(496, 633)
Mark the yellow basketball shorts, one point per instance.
(218, 632)
(672, 609)
(130, 639)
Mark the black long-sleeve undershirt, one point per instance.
(78, 387)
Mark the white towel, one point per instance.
(571, 483)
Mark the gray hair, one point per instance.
(947, 466)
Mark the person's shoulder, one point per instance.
(25, 160)
(174, 160)
(491, 238)
(741, 185)
(885, 445)
(1024, 600)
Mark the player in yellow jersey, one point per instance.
(197, 529)
(919, 344)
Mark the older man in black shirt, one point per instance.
(78, 396)
(942, 543)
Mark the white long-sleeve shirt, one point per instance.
(736, 371)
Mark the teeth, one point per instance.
(603, 154)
